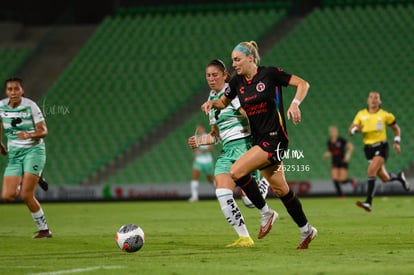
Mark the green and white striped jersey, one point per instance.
(231, 123)
(20, 119)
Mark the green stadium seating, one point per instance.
(10, 61)
(344, 53)
(132, 74)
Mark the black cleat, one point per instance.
(403, 180)
(43, 184)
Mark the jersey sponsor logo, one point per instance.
(249, 98)
(256, 109)
(16, 121)
(227, 90)
(260, 87)
(265, 144)
(22, 114)
(241, 90)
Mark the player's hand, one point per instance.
(207, 106)
(192, 142)
(326, 155)
(3, 150)
(354, 129)
(397, 147)
(294, 112)
(23, 135)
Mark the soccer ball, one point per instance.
(130, 238)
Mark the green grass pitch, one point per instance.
(189, 238)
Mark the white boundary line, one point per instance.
(78, 270)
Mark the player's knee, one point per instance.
(235, 175)
(8, 197)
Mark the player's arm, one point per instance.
(211, 138)
(355, 126)
(327, 154)
(349, 150)
(397, 137)
(243, 112)
(215, 132)
(3, 150)
(302, 87)
(218, 104)
(40, 132)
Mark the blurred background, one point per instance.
(121, 83)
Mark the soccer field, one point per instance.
(189, 238)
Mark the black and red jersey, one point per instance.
(337, 149)
(262, 100)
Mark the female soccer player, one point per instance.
(340, 151)
(260, 93)
(203, 162)
(25, 129)
(372, 122)
(231, 127)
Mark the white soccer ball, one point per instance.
(130, 238)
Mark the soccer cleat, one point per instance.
(307, 237)
(193, 199)
(43, 184)
(366, 206)
(266, 223)
(43, 234)
(264, 187)
(242, 242)
(403, 180)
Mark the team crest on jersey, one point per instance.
(260, 87)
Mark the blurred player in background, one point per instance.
(340, 151)
(260, 93)
(25, 129)
(231, 128)
(372, 122)
(203, 163)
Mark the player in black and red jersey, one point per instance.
(260, 92)
(340, 151)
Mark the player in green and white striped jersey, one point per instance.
(231, 128)
(25, 128)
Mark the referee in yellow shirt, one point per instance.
(372, 122)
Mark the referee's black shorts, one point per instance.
(377, 149)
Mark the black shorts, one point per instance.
(340, 164)
(377, 149)
(274, 145)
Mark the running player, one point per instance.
(340, 151)
(203, 162)
(260, 92)
(25, 129)
(230, 127)
(372, 122)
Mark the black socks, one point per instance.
(371, 190)
(249, 186)
(294, 208)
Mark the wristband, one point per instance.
(397, 139)
(353, 130)
(296, 101)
